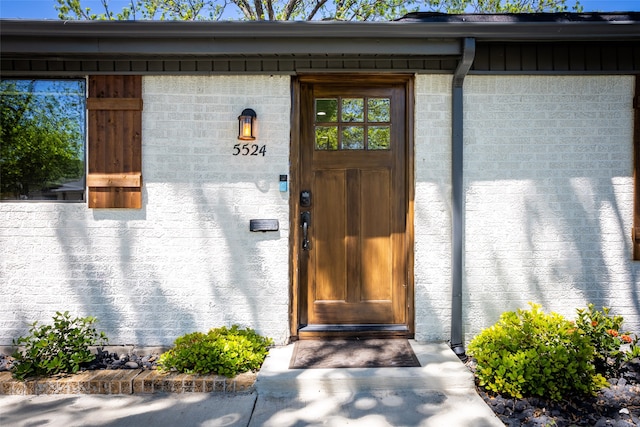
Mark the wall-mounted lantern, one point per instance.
(246, 125)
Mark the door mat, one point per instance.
(364, 353)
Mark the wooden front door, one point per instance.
(353, 205)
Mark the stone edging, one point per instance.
(135, 381)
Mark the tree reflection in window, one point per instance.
(352, 123)
(352, 110)
(42, 139)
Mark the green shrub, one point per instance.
(58, 348)
(604, 332)
(221, 351)
(530, 353)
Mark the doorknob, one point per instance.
(305, 220)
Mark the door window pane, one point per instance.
(353, 110)
(326, 138)
(379, 137)
(379, 110)
(42, 151)
(353, 138)
(326, 110)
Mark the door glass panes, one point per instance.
(326, 138)
(379, 137)
(353, 138)
(326, 110)
(379, 110)
(353, 110)
(352, 123)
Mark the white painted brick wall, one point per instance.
(548, 167)
(187, 260)
(548, 195)
(548, 213)
(433, 207)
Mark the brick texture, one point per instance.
(548, 198)
(186, 261)
(432, 207)
(127, 382)
(548, 208)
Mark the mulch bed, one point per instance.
(615, 406)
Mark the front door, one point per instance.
(353, 207)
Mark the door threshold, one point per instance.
(354, 331)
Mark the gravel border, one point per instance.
(104, 360)
(615, 406)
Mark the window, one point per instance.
(352, 123)
(42, 139)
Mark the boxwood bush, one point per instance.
(530, 353)
(221, 351)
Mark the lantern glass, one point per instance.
(246, 123)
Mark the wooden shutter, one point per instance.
(115, 142)
(635, 233)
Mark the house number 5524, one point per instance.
(249, 150)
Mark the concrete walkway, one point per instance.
(440, 393)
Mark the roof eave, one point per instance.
(19, 37)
